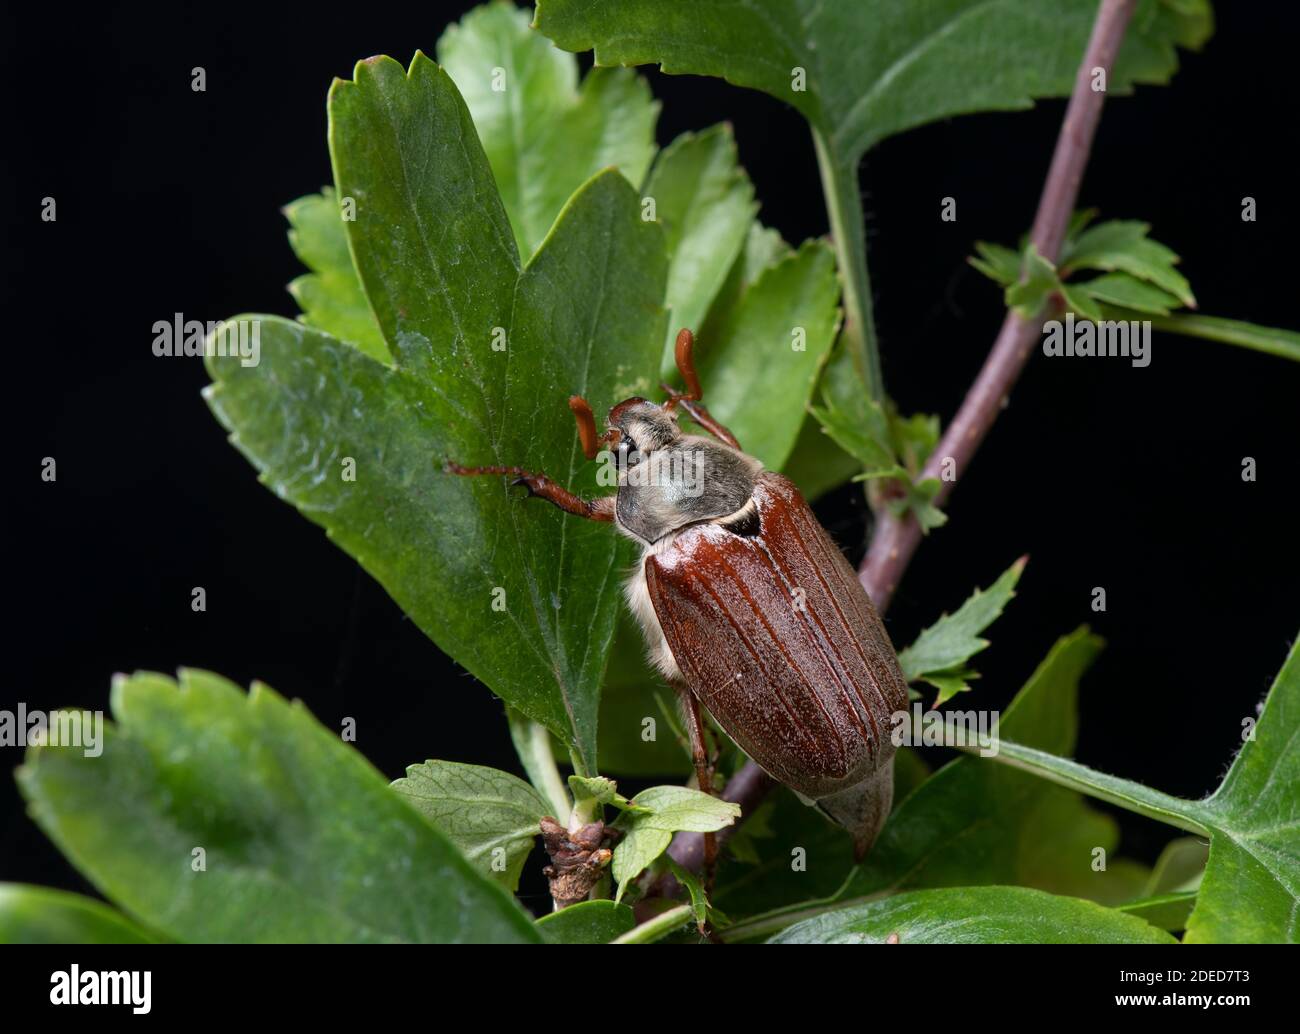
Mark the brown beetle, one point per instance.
(747, 606)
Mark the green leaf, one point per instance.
(949, 683)
(680, 808)
(764, 247)
(1039, 281)
(854, 421)
(1128, 292)
(695, 891)
(1180, 867)
(587, 922)
(918, 499)
(639, 847)
(301, 839)
(940, 653)
(759, 368)
(662, 811)
(40, 915)
(873, 70)
(756, 874)
(999, 264)
(1167, 911)
(963, 826)
(601, 791)
(817, 464)
(493, 578)
(543, 134)
(491, 816)
(1142, 285)
(1124, 246)
(975, 915)
(705, 203)
(330, 296)
(886, 444)
(1251, 889)
(1272, 340)
(633, 692)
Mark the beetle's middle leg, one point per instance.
(540, 485)
(703, 772)
(689, 400)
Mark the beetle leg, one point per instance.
(703, 773)
(689, 400)
(601, 509)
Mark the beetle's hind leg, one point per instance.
(540, 485)
(689, 400)
(703, 772)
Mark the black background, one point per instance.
(1106, 475)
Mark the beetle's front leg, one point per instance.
(540, 485)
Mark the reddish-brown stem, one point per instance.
(896, 539)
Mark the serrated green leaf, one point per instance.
(756, 873)
(705, 203)
(587, 922)
(1039, 281)
(1251, 889)
(955, 638)
(301, 839)
(330, 296)
(913, 438)
(675, 808)
(999, 264)
(41, 915)
(872, 70)
(639, 847)
(975, 915)
(662, 811)
(1130, 293)
(485, 573)
(759, 369)
(817, 464)
(949, 683)
(490, 815)
(1121, 245)
(593, 788)
(1081, 303)
(544, 135)
(853, 420)
(917, 499)
(695, 891)
(763, 247)
(963, 826)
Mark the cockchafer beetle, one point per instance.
(746, 604)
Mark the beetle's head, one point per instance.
(642, 426)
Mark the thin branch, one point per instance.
(896, 539)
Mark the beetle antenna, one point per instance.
(683, 353)
(689, 400)
(591, 442)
